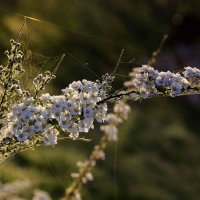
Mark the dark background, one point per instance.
(158, 149)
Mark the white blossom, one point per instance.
(73, 112)
(122, 109)
(148, 81)
(191, 72)
(41, 195)
(111, 131)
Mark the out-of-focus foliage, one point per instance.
(158, 148)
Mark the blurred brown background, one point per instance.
(158, 149)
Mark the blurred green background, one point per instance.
(157, 155)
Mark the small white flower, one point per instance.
(111, 131)
(160, 81)
(38, 127)
(22, 136)
(191, 72)
(73, 112)
(74, 135)
(122, 110)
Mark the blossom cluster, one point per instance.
(149, 81)
(84, 174)
(9, 73)
(10, 89)
(74, 111)
(15, 190)
(191, 72)
(121, 110)
(41, 195)
(40, 81)
(28, 119)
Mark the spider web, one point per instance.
(37, 62)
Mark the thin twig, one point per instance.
(155, 54)
(118, 62)
(80, 139)
(116, 96)
(58, 65)
(192, 91)
(54, 72)
(21, 28)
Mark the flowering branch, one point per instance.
(126, 95)
(147, 82)
(13, 191)
(9, 77)
(31, 120)
(110, 130)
